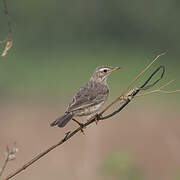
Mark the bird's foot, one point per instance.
(80, 124)
(97, 118)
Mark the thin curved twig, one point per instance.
(131, 94)
(142, 72)
(132, 82)
(161, 89)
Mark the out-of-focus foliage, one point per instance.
(119, 166)
(48, 24)
(177, 175)
(57, 44)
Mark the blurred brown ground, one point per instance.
(149, 132)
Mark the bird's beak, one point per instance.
(114, 69)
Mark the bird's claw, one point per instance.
(81, 125)
(97, 118)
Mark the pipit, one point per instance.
(89, 99)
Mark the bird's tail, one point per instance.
(63, 120)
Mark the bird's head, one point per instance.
(101, 73)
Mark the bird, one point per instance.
(89, 99)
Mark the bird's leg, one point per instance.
(80, 124)
(97, 117)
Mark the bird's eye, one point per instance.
(105, 70)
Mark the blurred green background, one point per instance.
(57, 46)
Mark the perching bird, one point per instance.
(90, 98)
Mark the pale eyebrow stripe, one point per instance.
(102, 69)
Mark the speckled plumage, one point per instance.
(90, 98)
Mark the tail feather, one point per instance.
(63, 120)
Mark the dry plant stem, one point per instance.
(160, 90)
(7, 48)
(10, 155)
(8, 39)
(132, 82)
(5, 163)
(40, 155)
(141, 73)
(97, 117)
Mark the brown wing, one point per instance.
(88, 95)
